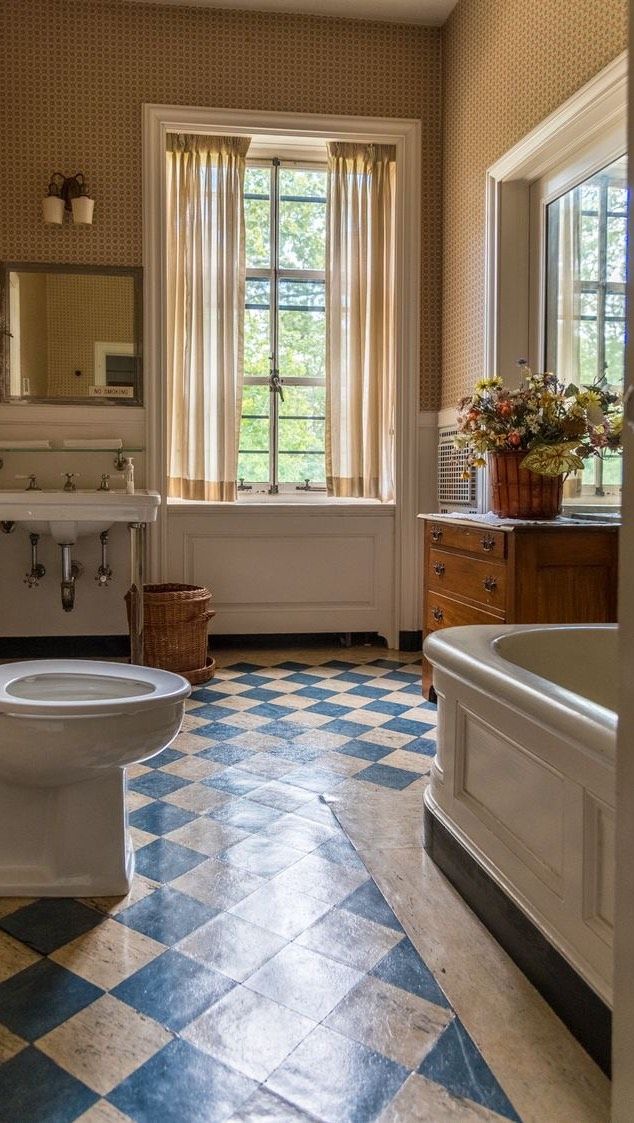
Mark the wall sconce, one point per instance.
(68, 193)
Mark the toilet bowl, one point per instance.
(68, 730)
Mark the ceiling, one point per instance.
(428, 12)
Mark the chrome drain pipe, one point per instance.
(70, 571)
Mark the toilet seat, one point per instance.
(84, 688)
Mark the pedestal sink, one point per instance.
(69, 515)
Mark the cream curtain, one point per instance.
(360, 375)
(205, 313)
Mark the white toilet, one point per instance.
(68, 730)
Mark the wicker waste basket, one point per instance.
(175, 620)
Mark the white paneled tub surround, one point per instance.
(524, 773)
(305, 565)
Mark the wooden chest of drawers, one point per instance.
(532, 573)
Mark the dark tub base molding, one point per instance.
(580, 1009)
(64, 647)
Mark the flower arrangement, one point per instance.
(557, 426)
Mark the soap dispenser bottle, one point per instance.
(128, 475)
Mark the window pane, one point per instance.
(303, 401)
(615, 250)
(306, 466)
(257, 215)
(589, 248)
(302, 219)
(257, 327)
(253, 467)
(302, 329)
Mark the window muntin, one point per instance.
(586, 253)
(282, 434)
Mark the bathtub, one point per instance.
(522, 791)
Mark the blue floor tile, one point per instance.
(41, 997)
(368, 691)
(298, 754)
(211, 711)
(318, 693)
(339, 850)
(369, 902)
(388, 777)
(302, 676)
(379, 706)
(261, 693)
(301, 668)
(423, 746)
(166, 915)
(182, 1085)
(327, 709)
(173, 989)
(350, 676)
(250, 679)
(163, 860)
(455, 1062)
(390, 664)
(33, 1089)
(341, 664)
(270, 710)
(408, 678)
(344, 728)
(337, 1079)
(226, 754)
(160, 818)
(406, 725)
(51, 922)
(157, 784)
(218, 731)
(245, 668)
(168, 756)
(246, 814)
(404, 968)
(288, 730)
(209, 694)
(365, 750)
(235, 782)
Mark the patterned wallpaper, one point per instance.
(75, 74)
(507, 64)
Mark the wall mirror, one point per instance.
(71, 334)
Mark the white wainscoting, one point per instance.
(283, 568)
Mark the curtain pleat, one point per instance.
(205, 286)
(360, 373)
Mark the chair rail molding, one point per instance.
(405, 134)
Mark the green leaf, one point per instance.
(553, 460)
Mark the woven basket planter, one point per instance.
(175, 629)
(517, 493)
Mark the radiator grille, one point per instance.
(451, 463)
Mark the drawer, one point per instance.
(479, 580)
(478, 540)
(442, 612)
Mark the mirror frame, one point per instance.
(133, 271)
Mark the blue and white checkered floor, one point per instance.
(255, 972)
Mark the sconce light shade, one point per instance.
(82, 207)
(53, 209)
(68, 193)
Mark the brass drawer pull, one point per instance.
(439, 569)
(438, 614)
(436, 534)
(488, 542)
(490, 584)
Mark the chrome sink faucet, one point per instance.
(32, 485)
(70, 484)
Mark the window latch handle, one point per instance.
(275, 384)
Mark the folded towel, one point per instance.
(95, 442)
(24, 444)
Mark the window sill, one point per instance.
(285, 502)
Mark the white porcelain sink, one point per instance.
(68, 515)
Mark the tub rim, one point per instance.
(469, 652)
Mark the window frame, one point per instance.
(583, 135)
(275, 274)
